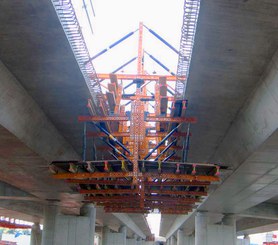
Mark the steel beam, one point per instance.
(173, 200)
(182, 177)
(109, 191)
(178, 183)
(141, 76)
(172, 119)
(100, 182)
(93, 175)
(112, 199)
(180, 193)
(148, 119)
(101, 118)
(126, 210)
(129, 183)
(127, 134)
(130, 174)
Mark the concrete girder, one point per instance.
(252, 225)
(29, 141)
(250, 145)
(234, 42)
(9, 192)
(262, 211)
(189, 220)
(30, 216)
(29, 208)
(42, 93)
(125, 219)
(45, 67)
(21, 115)
(179, 221)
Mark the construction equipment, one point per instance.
(140, 173)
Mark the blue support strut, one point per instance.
(165, 149)
(186, 145)
(162, 142)
(168, 157)
(162, 40)
(84, 142)
(111, 137)
(121, 67)
(158, 62)
(111, 46)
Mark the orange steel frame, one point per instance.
(133, 189)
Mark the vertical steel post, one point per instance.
(186, 144)
(84, 142)
(140, 65)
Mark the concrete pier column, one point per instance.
(139, 241)
(207, 233)
(189, 240)
(180, 237)
(76, 230)
(66, 229)
(105, 235)
(229, 220)
(114, 238)
(36, 235)
(173, 240)
(133, 240)
(246, 240)
(49, 221)
(201, 221)
(123, 230)
(89, 211)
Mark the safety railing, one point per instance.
(69, 21)
(190, 17)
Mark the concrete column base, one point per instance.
(182, 239)
(244, 241)
(69, 230)
(173, 240)
(131, 241)
(208, 234)
(114, 238)
(49, 221)
(36, 235)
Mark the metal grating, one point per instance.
(70, 24)
(190, 17)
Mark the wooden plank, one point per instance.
(163, 106)
(112, 88)
(111, 100)
(114, 79)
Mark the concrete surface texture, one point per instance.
(42, 93)
(232, 90)
(36, 235)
